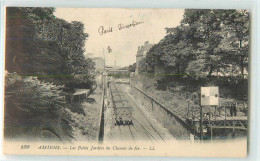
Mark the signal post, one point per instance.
(209, 97)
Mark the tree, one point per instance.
(217, 33)
(204, 44)
(45, 46)
(23, 50)
(152, 59)
(234, 47)
(37, 105)
(40, 48)
(132, 67)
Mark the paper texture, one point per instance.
(126, 82)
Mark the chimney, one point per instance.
(146, 44)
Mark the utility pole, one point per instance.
(104, 69)
(201, 123)
(104, 59)
(209, 97)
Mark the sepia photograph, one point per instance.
(126, 82)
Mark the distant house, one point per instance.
(89, 55)
(141, 53)
(99, 64)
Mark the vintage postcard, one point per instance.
(126, 82)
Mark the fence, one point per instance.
(101, 121)
(225, 108)
(230, 116)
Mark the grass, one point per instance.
(85, 124)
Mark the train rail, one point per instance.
(140, 127)
(150, 124)
(122, 109)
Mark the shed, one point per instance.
(78, 95)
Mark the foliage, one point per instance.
(31, 103)
(206, 43)
(208, 47)
(39, 44)
(217, 37)
(84, 123)
(132, 67)
(32, 95)
(41, 48)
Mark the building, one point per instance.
(89, 55)
(141, 53)
(99, 64)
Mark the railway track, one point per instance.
(146, 131)
(126, 129)
(141, 128)
(131, 132)
(150, 124)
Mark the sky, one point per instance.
(124, 43)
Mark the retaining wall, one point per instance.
(177, 127)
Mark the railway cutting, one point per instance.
(127, 120)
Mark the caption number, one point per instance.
(25, 146)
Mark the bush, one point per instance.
(30, 103)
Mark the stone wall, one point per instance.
(165, 118)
